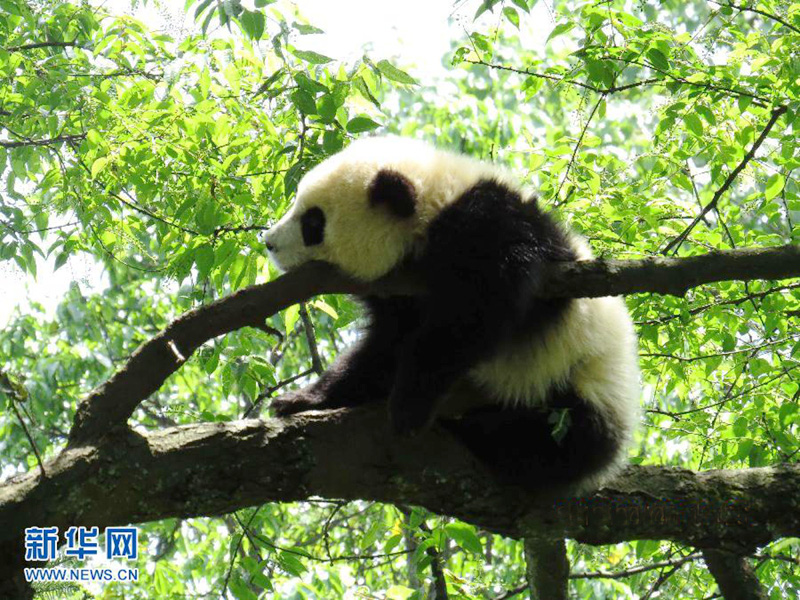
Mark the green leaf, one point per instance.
(201, 7)
(464, 535)
(305, 29)
(308, 84)
(309, 56)
(657, 59)
(233, 76)
(774, 186)
(204, 259)
(361, 124)
(486, 5)
(363, 89)
(304, 102)
(560, 29)
(395, 74)
(522, 4)
(787, 410)
(392, 543)
(630, 20)
(332, 141)
(240, 589)
(512, 16)
(694, 124)
(290, 316)
(399, 592)
(327, 107)
(740, 427)
(707, 113)
(291, 564)
(61, 259)
(253, 24)
(646, 548)
(98, 165)
(326, 308)
(94, 137)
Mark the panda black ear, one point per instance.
(394, 191)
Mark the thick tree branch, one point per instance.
(215, 468)
(734, 576)
(547, 568)
(113, 402)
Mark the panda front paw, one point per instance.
(294, 402)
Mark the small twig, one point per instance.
(311, 338)
(678, 414)
(781, 557)
(733, 301)
(241, 229)
(43, 45)
(326, 528)
(309, 556)
(758, 11)
(44, 142)
(675, 244)
(174, 349)
(610, 575)
(579, 142)
(726, 396)
(133, 205)
(269, 391)
(512, 592)
(689, 359)
(270, 331)
(637, 569)
(39, 230)
(13, 401)
(236, 551)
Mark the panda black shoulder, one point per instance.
(494, 215)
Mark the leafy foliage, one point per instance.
(654, 127)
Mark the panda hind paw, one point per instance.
(293, 403)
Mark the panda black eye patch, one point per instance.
(312, 225)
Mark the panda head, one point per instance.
(358, 209)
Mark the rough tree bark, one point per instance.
(547, 568)
(735, 578)
(109, 474)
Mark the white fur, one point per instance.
(593, 348)
(339, 184)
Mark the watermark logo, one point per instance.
(41, 543)
(80, 543)
(122, 542)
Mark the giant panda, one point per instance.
(548, 387)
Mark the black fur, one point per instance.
(481, 264)
(366, 372)
(312, 226)
(560, 443)
(393, 190)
